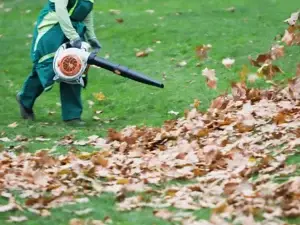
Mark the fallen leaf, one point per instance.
(277, 51)
(5, 139)
(13, 125)
(293, 19)
(228, 62)
(230, 9)
(115, 11)
(163, 214)
(287, 38)
(83, 212)
(42, 139)
(99, 96)
(6, 208)
(211, 79)
(141, 54)
(202, 51)
(173, 112)
(150, 11)
(76, 222)
(17, 219)
(182, 63)
(120, 20)
(252, 77)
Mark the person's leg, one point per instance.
(70, 95)
(32, 88)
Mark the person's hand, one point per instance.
(76, 43)
(95, 44)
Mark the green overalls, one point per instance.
(47, 38)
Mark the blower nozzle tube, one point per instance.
(122, 71)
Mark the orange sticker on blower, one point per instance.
(70, 65)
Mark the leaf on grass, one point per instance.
(277, 51)
(17, 219)
(141, 54)
(269, 70)
(163, 214)
(252, 77)
(115, 11)
(211, 79)
(42, 139)
(228, 62)
(287, 38)
(8, 207)
(202, 51)
(5, 139)
(150, 11)
(82, 200)
(99, 96)
(293, 18)
(230, 9)
(182, 63)
(83, 212)
(173, 112)
(120, 20)
(76, 222)
(13, 125)
(40, 178)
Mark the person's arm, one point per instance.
(89, 22)
(64, 19)
(90, 33)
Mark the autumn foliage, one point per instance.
(233, 153)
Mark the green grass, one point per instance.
(180, 26)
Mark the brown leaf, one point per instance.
(277, 51)
(202, 51)
(269, 70)
(76, 222)
(280, 118)
(40, 178)
(287, 38)
(163, 214)
(261, 59)
(141, 54)
(99, 160)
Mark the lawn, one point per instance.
(173, 30)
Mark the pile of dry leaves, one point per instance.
(232, 153)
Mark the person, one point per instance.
(60, 21)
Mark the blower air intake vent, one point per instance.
(70, 65)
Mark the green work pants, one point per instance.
(40, 80)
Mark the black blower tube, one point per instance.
(122, 71)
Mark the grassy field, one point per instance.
(173, 31)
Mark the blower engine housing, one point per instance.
(71, 63)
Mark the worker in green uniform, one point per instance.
(60, 21)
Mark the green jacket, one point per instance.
(58, 22)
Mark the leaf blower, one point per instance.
(70, 65)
